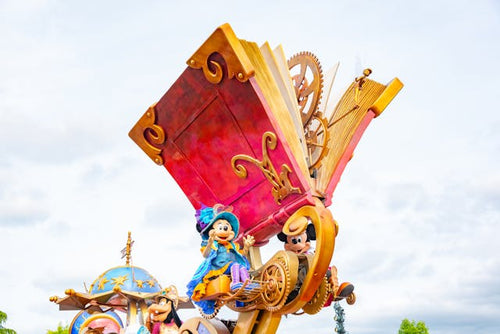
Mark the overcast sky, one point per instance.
(418, 205)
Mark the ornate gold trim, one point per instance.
(145, 133)
(222, 41)
(282, 187)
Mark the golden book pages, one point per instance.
(327, 101)
(343, 123)
(277, 104)
(285, 86)
(282, 65)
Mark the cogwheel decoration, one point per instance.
(307, 79)
(317, 137)
(276, 278)
(319, 299)
(217, 307)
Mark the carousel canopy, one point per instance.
(113, 289)
(128, 279)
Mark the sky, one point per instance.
(418, 205)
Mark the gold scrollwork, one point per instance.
(145, 133)
(224, 42)
(282, 187)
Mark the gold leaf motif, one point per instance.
(148, 135)
(282, 187)
(224, 42)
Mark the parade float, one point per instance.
(258, 148)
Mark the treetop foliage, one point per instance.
(412, 327)
(60, 330)
(3, 319)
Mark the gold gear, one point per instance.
(276, 280)
(317, 137)
(217, 307)
(307, 89)
(319, 299)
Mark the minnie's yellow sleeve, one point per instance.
(238, 249)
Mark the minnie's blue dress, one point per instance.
(218, 262)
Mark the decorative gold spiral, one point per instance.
(282, 186)
(351, 299)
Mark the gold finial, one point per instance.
(129, 247)
(361, 80)
(127, 251)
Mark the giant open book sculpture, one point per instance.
(246, 128)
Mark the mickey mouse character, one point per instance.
(300, 243)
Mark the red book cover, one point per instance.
(222, 143)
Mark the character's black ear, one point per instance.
(311, 232)
(282, 237)
(173, 315)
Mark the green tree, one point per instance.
(60, 330)
(411, 327)
(3, 330)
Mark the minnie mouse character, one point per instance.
(218, 227)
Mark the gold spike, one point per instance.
(129, 248)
